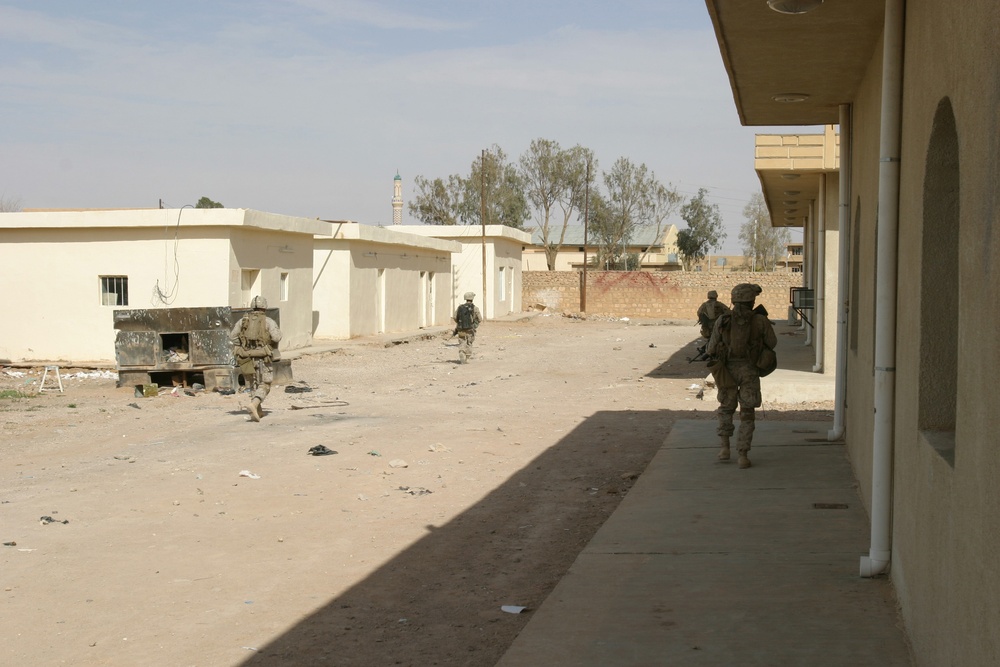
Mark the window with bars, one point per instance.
(114, 290)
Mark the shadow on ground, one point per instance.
(681, 365)
(793, 354)
(439, 601)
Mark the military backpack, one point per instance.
(466, 316)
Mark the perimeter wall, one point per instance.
(643, 294)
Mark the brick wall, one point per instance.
(642, 294)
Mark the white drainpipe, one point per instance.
(809, 263)
(843, 279)
(877, 562)
(820, 312)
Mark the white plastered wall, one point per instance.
(503, 249)
(370, 280)
(171, 258)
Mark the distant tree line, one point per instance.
(553, 184)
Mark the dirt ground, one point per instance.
(455, 490)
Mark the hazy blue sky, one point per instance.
(310, 107)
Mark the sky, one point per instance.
(311, 107)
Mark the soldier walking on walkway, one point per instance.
(742, 351)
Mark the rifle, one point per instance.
(701, 356)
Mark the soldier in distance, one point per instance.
(467, 320)
(255, 347)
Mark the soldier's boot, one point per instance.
(463, 358)
(254, 410)
(744, 461)
(724, 452)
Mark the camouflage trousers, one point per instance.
(260, 382)
(746, 393)
(466, 337)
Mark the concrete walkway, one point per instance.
(706, 564)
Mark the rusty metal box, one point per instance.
(181, 346)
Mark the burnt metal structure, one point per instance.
(182, 346)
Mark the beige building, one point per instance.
(792, 261)
(371, 280)
(799, 176)
(916, 209)
(717, 263)
(68, 271)
(657, 249)
(327, 279)
(501, 245)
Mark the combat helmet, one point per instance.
(259, 303)
(746, 293)
(712, 294)
(469, 296)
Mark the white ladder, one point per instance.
(45, 374)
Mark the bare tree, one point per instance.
(437, 202)
(704, 231)
(635, 200)
(554, 177)
(497, 182)
(9, 204)
(459, 200)
(763, 244)
(666, 201)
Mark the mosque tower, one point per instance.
(397, 200)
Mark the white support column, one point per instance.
(819, 315)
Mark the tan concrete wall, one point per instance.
(945, 525)
(641, 294)
(946, 519)
(830, 277)
(859, 416)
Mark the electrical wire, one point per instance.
(160, 296)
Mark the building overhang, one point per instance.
(789, 167)
(795, 69)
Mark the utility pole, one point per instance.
(482, 219)
(586, 215)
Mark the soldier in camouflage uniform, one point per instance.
(709, 312)
(467, 320)
(255, 345)
(736, 346)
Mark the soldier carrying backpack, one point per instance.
(467, 319)
(255, 345)
(742, 350)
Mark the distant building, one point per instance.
(718, 263)
(792, 261)
(658, 249)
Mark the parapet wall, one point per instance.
(642, 294)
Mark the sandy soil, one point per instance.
(455, 490)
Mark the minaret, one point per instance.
(397, 200)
